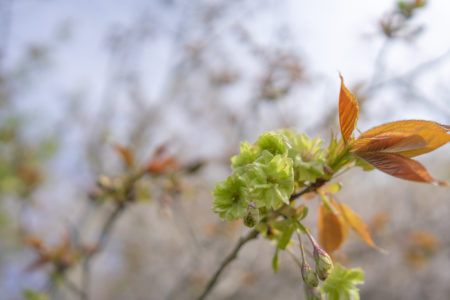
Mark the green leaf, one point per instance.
(309, 171)
(286, 229)
(286, 237)
(301, 212)
(275, 265)
(230, 198)
(359, 162)
(341, 283)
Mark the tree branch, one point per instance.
(101, 242)
(232, 256)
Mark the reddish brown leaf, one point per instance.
(399, 166)
(333, 230)
(126, 154)
(348, 111)
(356, 223)
(160, 150)
(34, 242)
(161, 165)
(408, 138)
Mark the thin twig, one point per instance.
(232, 256)
(74, 288)
(106, 230)
(312, 188)
(101, 242)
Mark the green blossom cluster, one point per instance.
(266, 174)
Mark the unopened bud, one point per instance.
(312, 293)
(104, 182)
(251, 218)
(324, 264)
(309, 276)
(328, 170)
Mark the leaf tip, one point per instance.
(348, 111)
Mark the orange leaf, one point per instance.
(356, 223)
(399, 166)
(161, 165)
(348, 111)
(333, 230)
(126, 154)
(408, 138)
(421, 246)
(423, 239)
(34, 242)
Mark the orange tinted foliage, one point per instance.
(333, 230)
(388, 147)
(356, 223)
(162, 164)
(421, 246)
(399, 166)
(126, 154)
(348, 111)
(409, 138)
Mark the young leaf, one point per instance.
(160, 165)
(126, 154)
(333, 230)
(408, 138)
(275, 265)
(399, 166)
(286, 229)
(341, 283)
(348, 111)
(356, 223)
(331, 188)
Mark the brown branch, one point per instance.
(105, 232)
(232, 256)
(101, 242)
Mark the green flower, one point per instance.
(270, 183)
(307, 155)
(248, 155)
(303, 144)
(230, 198)
(273, 142)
